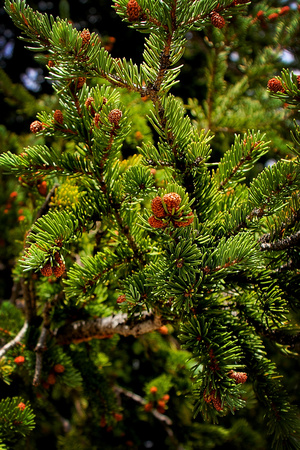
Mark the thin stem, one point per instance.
(15, 341)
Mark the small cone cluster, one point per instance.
(89, 105)
(19, 360)
(21, 406)
(275, 85)
(133, 11)
(165, 210)
(239, 377)
(86, 37)
(79, 82)
(36, 127)
(57, 270)
(58, 116)
(43, 188)
(47, 271)
(121, 299)
(158, 403)
(59, 368)
(60, 268)
(217, 20)
(214, 399)
(114, 116)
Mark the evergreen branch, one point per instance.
(100, 328)
(269, 191)
(44, 208)
(138, 254)
(240, 158)
(283, 244)
(17, 339)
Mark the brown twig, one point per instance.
(15, 341)
(101, 327)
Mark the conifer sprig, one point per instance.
(170, 237)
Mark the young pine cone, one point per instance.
(86, 36)
(157, 207)
(58, 116)
(275, 85)
(172, 201)
(36, 126)
(133, 10)
(156, 223)
(114, 116)
(217, 20)
(47, 271)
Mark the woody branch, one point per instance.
(99, 328)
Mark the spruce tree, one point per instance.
(160, 265)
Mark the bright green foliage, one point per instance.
(172, 257)
(17, 416)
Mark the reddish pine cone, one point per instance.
(59, 368)
(114, 116)
(86, 36)
(36, 126)
(273, 16)
(148, 406)
(212, 398)
(133, 10)
(19, 360)
(163, 330)
(172, 202)
(284, 10)
(58, 116)
(51, 63)
(58, 258)
(80, 82)
(47, 270)
(298, 81)
(59, 270)
(157, 207)
(21, 406)
(156, 223)
(118, 417)
(89, 105)
(97, 120)
(275, 85)
(217, 20)
(160, 409)
(260, 14)
(239, 377)
(153, 389)
(121, 299)
(51, 378)
(178, 223)
(42, 188)
(216, 401)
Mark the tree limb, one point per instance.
(85, 330)
(287, 242)
(15, 341)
